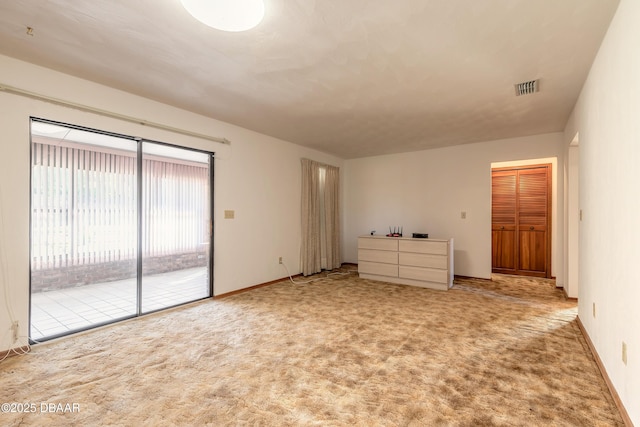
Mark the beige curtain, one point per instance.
(332, 217)
(320, 217)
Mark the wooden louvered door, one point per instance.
(503, 221)
(520, 221)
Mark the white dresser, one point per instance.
(427, 263)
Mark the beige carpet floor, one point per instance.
(336, 352)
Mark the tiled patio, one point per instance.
(62, 311)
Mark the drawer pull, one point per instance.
(531, 228)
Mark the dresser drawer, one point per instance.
(423, 260)
(423, 247)
(372, 255)
(424, 274)
(366, 267)
(378, 243)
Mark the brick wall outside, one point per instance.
(79, 275)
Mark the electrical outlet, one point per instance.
(15, 326)
(594, 309)
(280, 260)
(624, 352)
(463, 215)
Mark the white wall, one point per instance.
(426, 191)
(607, 117)
(257, 176)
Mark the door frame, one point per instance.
(556, 223)
(572, 219)
(547, 260)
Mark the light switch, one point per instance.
(229, 214)
(463, 215)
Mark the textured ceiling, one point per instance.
(353, 78)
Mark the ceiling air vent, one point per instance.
(527, 87)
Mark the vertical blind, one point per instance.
(175, 198)
(84, 206)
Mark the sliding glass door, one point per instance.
(119, 227)
(175, 226)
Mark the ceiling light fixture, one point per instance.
(226, 15)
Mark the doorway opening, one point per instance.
(521, 211)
